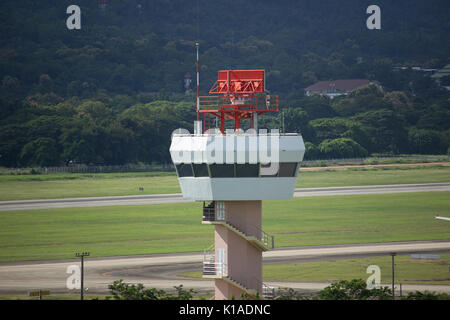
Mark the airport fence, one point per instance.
(168, 167)
(81, 168)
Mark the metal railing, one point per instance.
(257, 102)
(268, 292)
(253, 283)
(254, 231)
(213, 268)
(209, 215)
(82, 168)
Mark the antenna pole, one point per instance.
(198, 86)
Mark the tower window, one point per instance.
(184, 170)
(222, 170)
(287, 169)
(247, 170)
(200, 170)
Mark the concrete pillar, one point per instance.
(243, 261)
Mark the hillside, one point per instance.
(112, 92)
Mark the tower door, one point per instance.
(221, 261)
(220, 210)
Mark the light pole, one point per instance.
(82, 255)
(393, 254)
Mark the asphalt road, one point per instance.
(160, 271)
(172, 198)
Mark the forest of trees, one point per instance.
(112, 92)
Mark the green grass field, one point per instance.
(373, 176)
(104, 231)
(165, 228)
(54, 186)
(407, 270)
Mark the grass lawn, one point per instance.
(357, 218)
(56, 186)
(407, 270)
(165, 228)
(373, 176)
(104, 231)
(53, 186)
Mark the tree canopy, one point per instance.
(112, 92)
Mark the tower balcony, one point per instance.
(237, 166)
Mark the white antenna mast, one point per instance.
(198, 86)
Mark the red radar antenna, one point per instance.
(237, 94)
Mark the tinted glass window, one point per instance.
(184, 170)
(200, 170)
(247, 170)
(221, 170)
(287, 169)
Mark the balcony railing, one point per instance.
(209, 215)
(268, 292)
(213, 268)
(262, 103)
(254, 231)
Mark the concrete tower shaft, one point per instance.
(239, 241)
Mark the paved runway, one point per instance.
(172, 198)
(160, 271)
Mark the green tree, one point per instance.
(311, 151)
(426, 295)
(40, 152)
(435, 118)
(341, 148)
(317, 106)
(385, 129)
(424, 141)
(355, 289)
(399, 101)
(363, 99)
(125, 291)
(288, 294)
(333, 128)
(296, 120)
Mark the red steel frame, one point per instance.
(238, 94)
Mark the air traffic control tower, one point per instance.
(231, 171)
